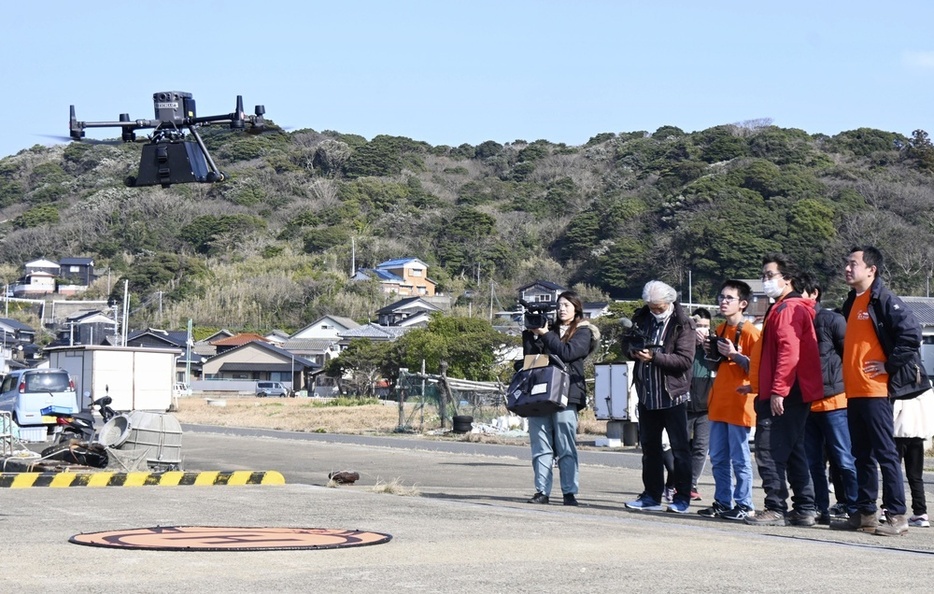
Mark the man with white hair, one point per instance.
(662, 345)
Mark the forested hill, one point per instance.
(271, 247)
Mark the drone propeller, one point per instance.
(111, 142)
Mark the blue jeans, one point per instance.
(729, 457)
(554, 436)
(872, 435)
(830, 429)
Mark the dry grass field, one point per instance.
(313, 416)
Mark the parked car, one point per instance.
(181, 390)
(25, 392)
(264, 389)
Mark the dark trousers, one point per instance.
(911, 451)
(780, 453)
(871, 434)
(651, 423)
(699, 431)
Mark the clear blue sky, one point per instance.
(451, 72)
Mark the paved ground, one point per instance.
(469, 530)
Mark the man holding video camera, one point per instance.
(661, 342)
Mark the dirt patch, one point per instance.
(311, 415)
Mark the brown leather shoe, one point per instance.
(858, 521)
(893, 525)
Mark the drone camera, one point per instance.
(174, 106)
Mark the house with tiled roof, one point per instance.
(258, 360)
(410, 312)
(372, 331)
(327, 326)
(402, 276)
(540, 291)
(231, 342)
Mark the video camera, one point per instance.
(538, 314)
(634, 338)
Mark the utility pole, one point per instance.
(188, 344)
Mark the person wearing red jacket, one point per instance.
(790, 378)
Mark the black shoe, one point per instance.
(714, 511)
(802, 518)
(569, 499)
(539, 498)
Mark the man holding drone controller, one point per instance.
(662, 344)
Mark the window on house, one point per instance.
(415, 272)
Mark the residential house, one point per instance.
(75, 275)
(33, 285)
(277, 337)
(540, 292)
(16, 330)
(232, 342)
(258, 360)
(410, 312)
(174, 339)
(206, 348)
(326, 326)
(88, 327)
(319, 341)
(595, 309)
(372, 331)
(758, 301)
(42, 265)
(403, 276)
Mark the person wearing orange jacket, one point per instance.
(790, 378)
(881, 360)
(731, 413)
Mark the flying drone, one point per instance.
(169, 157)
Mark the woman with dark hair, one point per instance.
(553, 436)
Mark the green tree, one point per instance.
(37, 216)
(208, 232)
(467, 344)
(360, 365)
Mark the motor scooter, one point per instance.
(75, 441)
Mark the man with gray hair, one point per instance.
(662, 345)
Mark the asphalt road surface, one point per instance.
(467, 530)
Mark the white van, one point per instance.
(264, 389)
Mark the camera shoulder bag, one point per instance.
(539, 390)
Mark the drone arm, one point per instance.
(207, 156)
(135, 124)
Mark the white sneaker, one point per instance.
(919, 521)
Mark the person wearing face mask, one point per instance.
(663, 372)
(789, 380)
(553, 436)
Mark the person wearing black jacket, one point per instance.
(881, 360)
(571, 339)
(663, 373)
(826, 429)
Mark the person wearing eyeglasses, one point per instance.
(731, 410)
(663, 371)
(790, 378)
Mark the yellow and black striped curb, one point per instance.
(17, 480)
